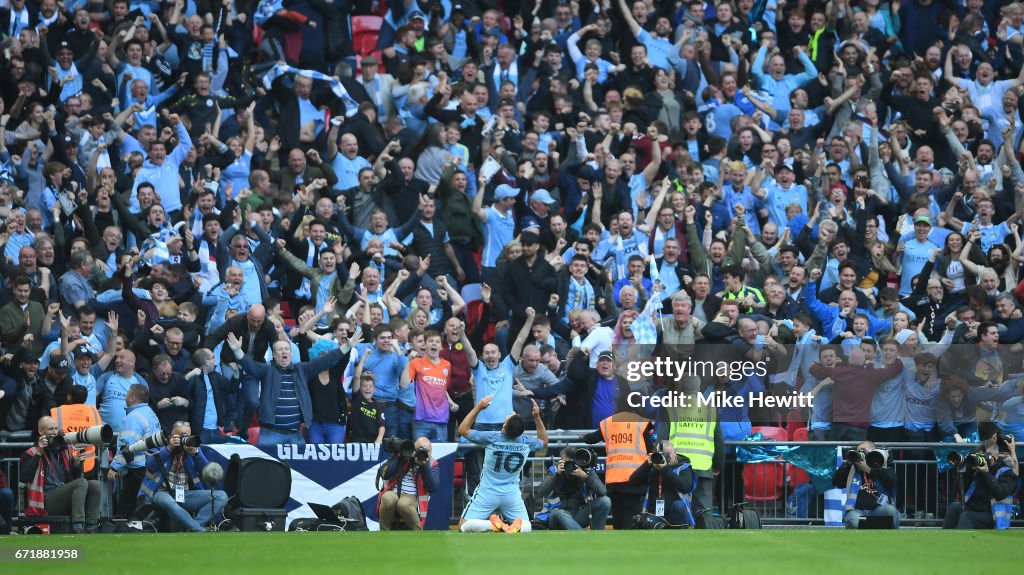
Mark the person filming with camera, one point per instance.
(669, 479)
(991, 476)
(174, 481)
(52, 469)
(411, 475)
(582, 497)
(870, 485)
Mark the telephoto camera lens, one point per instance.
(877, 459)
(977, 459)
(854, 456)
(422, 455)
(191, 441)
(407, 448)
(584, 458)
(403, 447)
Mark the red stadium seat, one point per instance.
(365, 32)
(254, 435)
(771, 433)
(794, 421)
(797, 475)
(763, 481)
(361, 24)
(460, 477)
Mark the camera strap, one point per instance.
(163, 472)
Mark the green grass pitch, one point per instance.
(745, 552)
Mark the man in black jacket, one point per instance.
(205, 384)
(582, 497)
(669, 479)
(584, 408)
(465, 115)
(531, 281)
(256, 335)
(990, 487)
(870, 490)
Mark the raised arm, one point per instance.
(634, 27)
(651, 170)
(947, 69)
(478, 201)
(517, 346)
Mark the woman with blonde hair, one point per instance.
(881, 266)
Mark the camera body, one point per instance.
(658, 455)
(875, 459)
(156, 441)
(569, 467)
(421, 455)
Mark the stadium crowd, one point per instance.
(226, 204)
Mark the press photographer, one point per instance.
(52, 469)
(991, 476)
(410, 476)
(174, 481)
(582, 497)
(869, 485)
(669, 479)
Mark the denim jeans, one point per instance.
(852, 517)
(391, 419)
(273, 437)
(246, 402)
(404, 427)
(435, 432)
(679, 514)
(211, 436)
(326, 433)
(6, 508)
(595, 515)
(196, 501)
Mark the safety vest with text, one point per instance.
(77, 417)
(624, 443)
(692, 433)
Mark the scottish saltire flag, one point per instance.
(351, 106)
(328, 473)
(835, 499)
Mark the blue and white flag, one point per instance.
(351, 106)
(328, 473)
(835, 499)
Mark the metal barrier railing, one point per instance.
(781, 494)
(778, 490)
